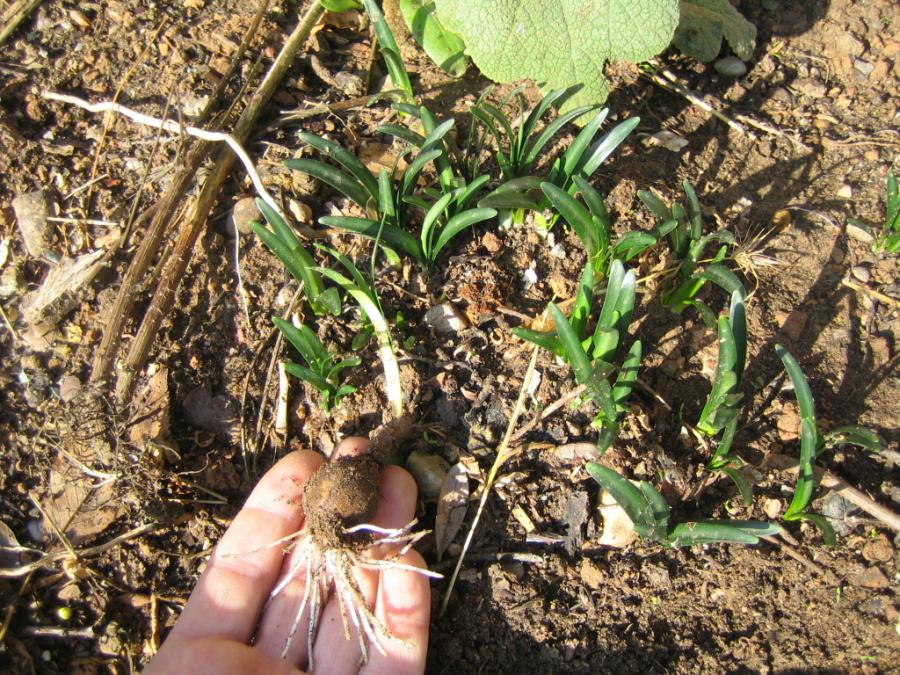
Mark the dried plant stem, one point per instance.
(844, 489)
(503, 453)
(549, 410)
(163, 215)
(177, 264)
(52, 558)
(14, 15)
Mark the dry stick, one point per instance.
(165, 292)
(164, 210)
(844, 489)
(51, 558)
(667, 80)
(503, 453)
(880, 297)
(549, 410)
(14, 15)
(799, 557)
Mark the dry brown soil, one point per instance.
(824, 83)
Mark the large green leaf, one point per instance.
(649, 515)
(703, 24)
(445, 48)
(559, 43)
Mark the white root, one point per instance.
(327, 569)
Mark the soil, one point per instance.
(823, 83)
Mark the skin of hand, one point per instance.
(231, 626)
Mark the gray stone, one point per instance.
(730, 66)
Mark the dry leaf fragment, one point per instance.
(451, 509)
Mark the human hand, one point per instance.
(231, 626)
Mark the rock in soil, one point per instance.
(32, 210)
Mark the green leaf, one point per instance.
(632, 244)
(578, 217)
(431, 217)
(343, 157)
(821, 522)
(411, 175)
(723, 277)
(548, 340)
(444, 47)
(458, 223)
(703, 24)
(389, 49)
(656, 205)
(571, 343)
(307, 375)
(572, 157)
(627, 374)
(534, 147)
(721, 531)
(740, 480)
(854, 435)
(632, 500)
(801, 385)
(603, 148)
(393, 235)
(340, 5)
(559, 43)
(806, 478)
(737, 316)
(404, 134)
(341, 181)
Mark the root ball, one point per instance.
(340, 495)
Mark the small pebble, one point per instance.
(243, 213)
(861, 273)
(863, 67)
(845, 192)
(730, 66)
(859, 234)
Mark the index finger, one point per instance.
(243, 568)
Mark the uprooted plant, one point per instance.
(340, 502)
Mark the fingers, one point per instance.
(404, 606)
(214, 655)
(242, 570)
(332, 651)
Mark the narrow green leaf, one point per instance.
(548, 340)
(467, 193)
(389, 49)
(571, 343)
(723, 277)
(854, 435)
(578, 217)
(801, 385)
(604, 147)
(411, 175)
(821, 522)
(583, 300)
(431, 217)
(632, 244)
(659, 209)
(535, 145)
(575, 152)
(458, 223)
(339, 180)
(343, 157)
(386, 195)
(403, 133)
(628, 374)
(555, 96)
(391, 234)
(737, 316)
(803, 490)
(629, 497)
(740, 480)
(302, 338)
(659, 508)
(338, 6)
(307, 375)
(721, 531)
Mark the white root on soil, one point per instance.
(332, 568)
